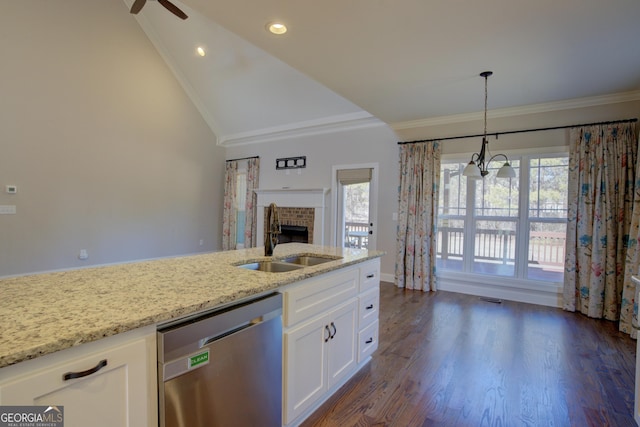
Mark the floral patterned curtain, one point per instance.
(629, 307)
(602, 165)
(253, 174)
(418, 206)
(230, 213)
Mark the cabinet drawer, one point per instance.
(318, 295)
(367, 341)
(368, 307)
(369, 274)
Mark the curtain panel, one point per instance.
(602, 175)
(230, 212)
(418, 205)
(250, 227)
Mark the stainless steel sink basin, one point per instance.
(308, 260)
(271, 266)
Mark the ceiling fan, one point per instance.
(138, 4)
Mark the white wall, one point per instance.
(379, 144)
(107, 151)
(375, 144)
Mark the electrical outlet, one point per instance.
(7, 209)
(83, 254)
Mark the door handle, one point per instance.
(369, 341)
(73, 375)
(335, 330)
(370, 276)
(369, 307)
(326, 328)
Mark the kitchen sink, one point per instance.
(308, 260)
(271, 266)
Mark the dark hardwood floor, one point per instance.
(447, 359)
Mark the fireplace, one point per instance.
(293, 233)
(296, 208)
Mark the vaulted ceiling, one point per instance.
(351, 63)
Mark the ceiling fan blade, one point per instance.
(137, 6)
(173, 9)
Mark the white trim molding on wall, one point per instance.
(568, 104)
(332, 124)
(507, 288)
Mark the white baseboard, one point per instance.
(541, 293)
(384, 277)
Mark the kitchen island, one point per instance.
(98, 324)
(44, 313)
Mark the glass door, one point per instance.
(355, 217)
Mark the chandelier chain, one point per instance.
(486, 78)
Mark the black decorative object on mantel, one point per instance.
(291, 163)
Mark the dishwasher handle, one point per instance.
(208, 340)
(183, 339)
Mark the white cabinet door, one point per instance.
(317, 354)
(342, 343)
(116, 394)
(304, 367)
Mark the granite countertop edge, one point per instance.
(63, 309)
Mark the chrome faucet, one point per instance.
(273, 224)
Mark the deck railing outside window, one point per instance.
(356, 234)
(546, 249)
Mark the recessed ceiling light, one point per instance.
(201, 51)
(277, 28)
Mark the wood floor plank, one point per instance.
(447, 359)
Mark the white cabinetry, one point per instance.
(331, 329)
(318, 354)
(115, 384)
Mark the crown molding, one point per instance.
(522, 110)
(331, 124)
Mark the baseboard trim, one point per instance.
(549, 295)
(546, 297)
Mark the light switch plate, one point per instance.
(11, 189)
(7, 209)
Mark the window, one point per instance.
(491, 227)
(241, 201)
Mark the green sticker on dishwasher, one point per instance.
(199, 359)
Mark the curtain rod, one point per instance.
(521, 131)
(243, 158)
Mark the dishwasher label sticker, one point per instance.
(199, 359)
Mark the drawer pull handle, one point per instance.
(334, 330)
(370, 276)
(73, 375)
(369, 341)
(326, 328)
(369, 307)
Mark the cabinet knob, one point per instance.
(73, 375)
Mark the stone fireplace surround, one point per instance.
(295, 207)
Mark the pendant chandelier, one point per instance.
(477, 167)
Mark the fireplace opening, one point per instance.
(293, 233)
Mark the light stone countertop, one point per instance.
(48, 312)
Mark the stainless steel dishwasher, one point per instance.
(223, 368)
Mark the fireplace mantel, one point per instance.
(294, 198)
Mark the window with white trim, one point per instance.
(241, 201)
(491, 226)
